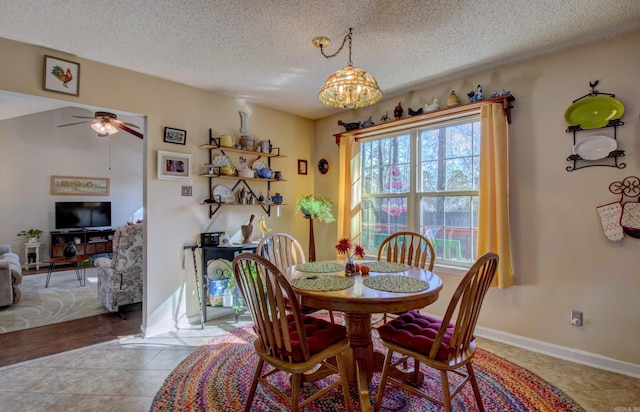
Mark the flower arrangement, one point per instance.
(344, 247)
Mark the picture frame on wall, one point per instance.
(76, 185)
(174, 166)
(61, 76)
(175, 136)
(302, 167)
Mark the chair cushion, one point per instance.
(303, 308)
(320, 335)
(417, 332)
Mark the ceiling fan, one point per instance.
(105, 124)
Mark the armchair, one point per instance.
(120, 278)
(10, 276)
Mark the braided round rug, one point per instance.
(217, 377)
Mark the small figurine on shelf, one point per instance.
(349, 126)
(367, 122)
(432, 107)
(453, 99)
(477, 95)
(414, 112)
(501, 93)
(397, 112)
(385, 118)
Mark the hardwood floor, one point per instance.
(33, 343)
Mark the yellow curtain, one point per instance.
(493, 210)
(349, 189)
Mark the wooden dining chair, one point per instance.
(409, 248)
(287, 340)
(446, 345)
(284, 251)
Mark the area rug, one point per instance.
(63, 300)
(217, 377)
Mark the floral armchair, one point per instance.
(120, 278)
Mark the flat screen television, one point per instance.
(79, 215)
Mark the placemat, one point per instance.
(395, 283)
(387, 267)
(320, 267)
(322, 283)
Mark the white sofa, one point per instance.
(10, 276)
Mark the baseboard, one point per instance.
(561, 352)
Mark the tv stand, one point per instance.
(87, 242)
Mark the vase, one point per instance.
(70, 251)
(246, 230)
(350, 267)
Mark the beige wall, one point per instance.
(173, 221)
(562, 259)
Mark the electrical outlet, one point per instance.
(576, 317)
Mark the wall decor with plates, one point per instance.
(595, 111)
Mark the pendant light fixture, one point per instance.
(349, 88)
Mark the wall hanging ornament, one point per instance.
(622, 217)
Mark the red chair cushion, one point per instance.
(304, 309)
(417, 332)
(320, 335)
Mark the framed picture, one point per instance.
(174, 166)
(61, 76)
(75, 185)
(176, 136)
(302, 167)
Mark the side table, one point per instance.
(78, 262)
(35, 255)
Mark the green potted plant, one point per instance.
(32, 234)
(316, 207)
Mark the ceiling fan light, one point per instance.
(104, 128)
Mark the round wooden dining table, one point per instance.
(358, 303)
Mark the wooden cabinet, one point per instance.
(87, 242)
(240, 183)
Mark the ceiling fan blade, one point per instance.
(71, 124)
(119, 125)
(126, 123)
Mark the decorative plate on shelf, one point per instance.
(219, 269)
(224, 192)
(595, 147)
(594, 112)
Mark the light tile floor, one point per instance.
(124, 375)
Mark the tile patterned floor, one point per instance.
(124, 375)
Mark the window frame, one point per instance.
(413, 196)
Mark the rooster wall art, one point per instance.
(64, 76)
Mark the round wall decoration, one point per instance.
(323, 166)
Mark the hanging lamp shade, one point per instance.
(350, 88)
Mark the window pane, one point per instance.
(446, 175)
(382, 216)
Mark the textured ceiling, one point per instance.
(261, 51)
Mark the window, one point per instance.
(423, 180)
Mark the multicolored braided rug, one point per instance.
(217, 376)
